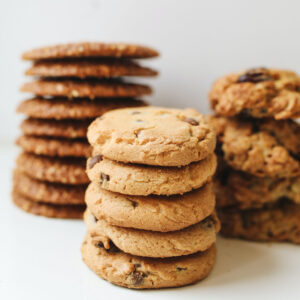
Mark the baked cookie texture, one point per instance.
(90, 49)
(152, 136)
(89, 68)
(258, 93)
(133, 179)
(73, 84)
(146, 273)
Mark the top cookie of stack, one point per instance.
(77, 83)
(259, 146)
(150, 207)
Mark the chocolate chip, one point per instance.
(104, 177)
(208, 222)
(181, 269)
(137, 265)
(93, 160)
(112, 248)
(100, 245)
(138, 277)
(254, 76)
(191, 121)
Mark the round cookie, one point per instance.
(46, 209)
(147, 273)
(54, 146)
(80, 88)
(247, 191)
(90, 49)
(258, 93)
(53, 169)
(133, 179)
(152, 136)
(156, 213)
(198, 237)
(86, 68)
(278, 223)
(265, 148)
(55, 128)
(41, 191)
(61, 108)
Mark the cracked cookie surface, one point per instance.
(152, 136)
(258, 93)
(133, 179)
(147, 273)
(198, 237)
(157, 213)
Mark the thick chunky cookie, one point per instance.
(280, 222)
(47, 209)
(262, 148)
(83, 68)
(157, 213)
(82, 88)
(56, 128)
(53, 169)
(258, 93)
(61, 108)
(152, 136)
(132, 179)
(198, 237)
(247, 191)
(41, 191)
(90, 49)
(54, 146)
(146, 273)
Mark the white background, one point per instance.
(199, 41)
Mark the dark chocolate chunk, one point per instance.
(181, 269)
(255, 75)
(138, 277)
(104, 177)
(93, 160)
(191, 121)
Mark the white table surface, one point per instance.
(40, 259)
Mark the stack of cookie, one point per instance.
(258, 183)
(151, 208)
(77, 83)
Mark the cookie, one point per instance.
(61, 108)
(258, 93)
(46, 209)
(152, 136)
(53, 169)
(56, 128)
(278, 223)
(266, 148)
(247, 191)
(41, 191)
(147, 273)
(82, 88)
(156, 213)
(198, 237)
(90, 49)
(144, 180)
(54, 146)
(86, 68)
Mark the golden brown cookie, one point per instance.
(46, 209)
(54, 146)
(53, 169)
(147, 273)
(247, 191)
(132, 179)
(262, 148)
(61, 108)
(198, 237)
(82, 88)
(258, 93)
(157, 213)
(42, 191)
(90, 49)
(86, 68)
(152, 136)
(278, 223)
(56, 128)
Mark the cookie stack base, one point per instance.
(147, 273)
